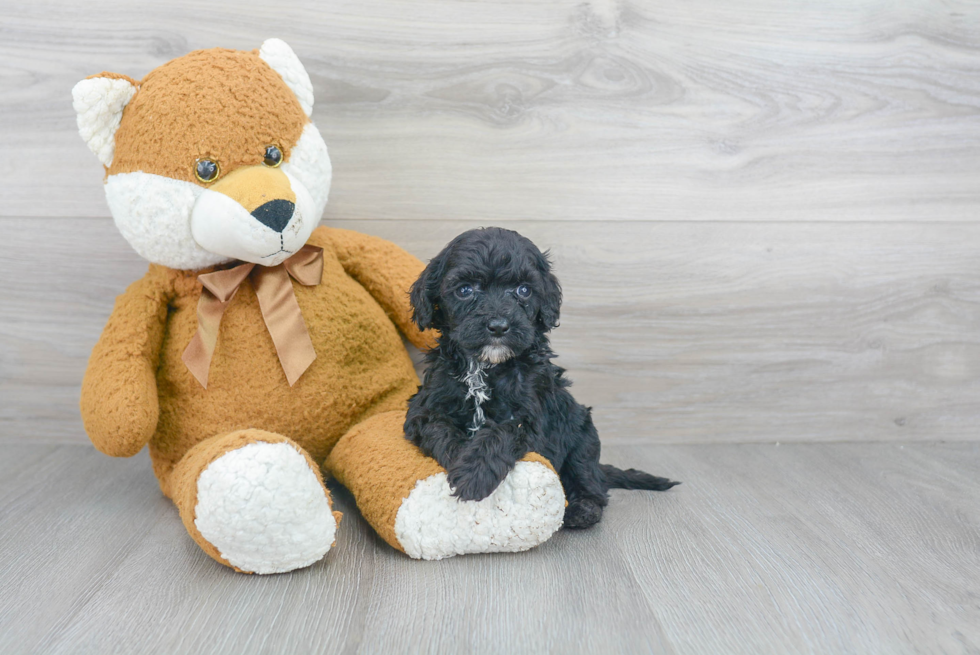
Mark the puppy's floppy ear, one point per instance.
(424, 294)
(551, 292)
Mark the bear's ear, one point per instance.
(99, 102)
(284, 61)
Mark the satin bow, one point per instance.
(277, 301)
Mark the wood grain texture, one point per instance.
(675, 332)
(819, 548)
(830, 547)
(49, 543)
(537, 110)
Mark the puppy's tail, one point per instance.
(633, 479)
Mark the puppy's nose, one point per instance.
(498, 326)
(275, 214)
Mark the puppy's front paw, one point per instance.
(482, 464)
(473, 482)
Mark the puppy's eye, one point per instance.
(524, 291)
(464, 291)
(273, 156)
(206, 170)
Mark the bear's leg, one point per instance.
(406, 498)
(255, 501)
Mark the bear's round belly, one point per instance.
(361, 368)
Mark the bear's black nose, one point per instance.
(498, 326)
(275, 214)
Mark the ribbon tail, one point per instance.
(198, 359)
(283, 318)
(197, 356)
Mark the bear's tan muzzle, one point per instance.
(264, 192)
(253, 186)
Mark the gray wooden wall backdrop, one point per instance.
(764, 213)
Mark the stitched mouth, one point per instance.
(281, 249)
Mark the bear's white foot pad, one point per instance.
(264, 509)
(523, 512)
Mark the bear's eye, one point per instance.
(273, 156)
(206, 170)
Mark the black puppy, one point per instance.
(490, 393)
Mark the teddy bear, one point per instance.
(260, 348)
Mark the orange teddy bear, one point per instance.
(259, 346)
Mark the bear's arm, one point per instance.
(119, 391)
(386, 271)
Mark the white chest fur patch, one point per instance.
(264, 509)
(523, 512)
(477, 388)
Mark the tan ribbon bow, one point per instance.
(279, 310)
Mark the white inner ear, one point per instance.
(284, 61)
(99, 103)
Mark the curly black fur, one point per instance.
(493, 297)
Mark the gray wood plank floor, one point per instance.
(800, 548)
